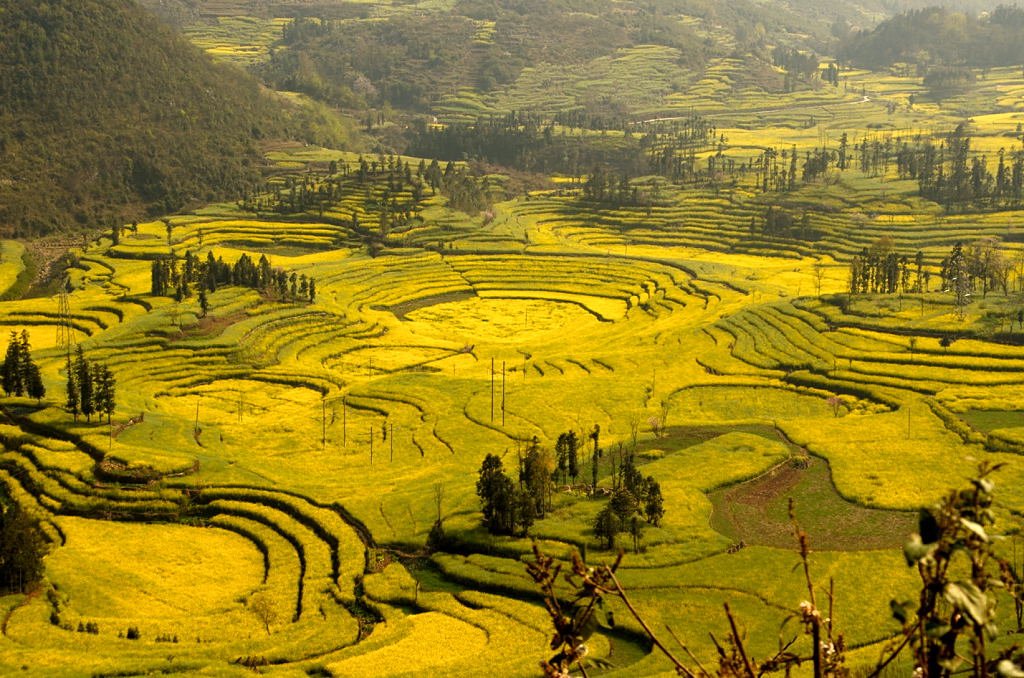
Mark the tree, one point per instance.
(606, 526)
(21, 549)
(11, 375)
(636, 530)
(959, 280)
(105, 391)
(34, 386)
(535, 475)
(495, 490)
(19, 375)
(262, 607)
(623, 504)
(524, 507)
(204, 303)
(83, 375)
(572, 452)
(73, 401)
(654, 506)
(562, 455)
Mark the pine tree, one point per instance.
(959, 280)
(86, 394)
(25, 364)
(34, 386)
(109, 395)
(21, 549)
(73, 403)
(562, 454)
(10, 373)
(573, 445)
(654, 508)
(495, 491)
(606, 526)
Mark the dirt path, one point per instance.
(756, 512)
(774, 109)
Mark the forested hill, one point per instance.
(940, 37)
(106, 112)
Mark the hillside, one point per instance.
(105, 111)
(936, 36)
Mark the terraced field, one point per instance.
(312, 445)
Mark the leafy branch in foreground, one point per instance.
(953, 617)
(957, 602)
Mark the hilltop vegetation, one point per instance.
(935, 37)
(105, 111)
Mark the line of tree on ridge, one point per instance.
(168, 279)
(91, 387)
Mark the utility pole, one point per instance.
(503, 393)
(492, 390)
(392, 443)
(371, 445)
(344, 422)
(323, 422)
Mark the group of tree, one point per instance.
(396, 192)
(635, 499)
(602, 187)
(512, 506)
(981, 266)
(959, 179)
(21, 548)
(176, 277)
(949, 172)
(879, 269)
(19, 374)
(91, 388)
(939, 37)
(800, 67)
(546, 144)
(780, 223)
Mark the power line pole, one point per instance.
(323, 422)
(492, 390)
(344, 422)
(392, 443)
(503, 393)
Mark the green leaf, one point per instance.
(605, 617)
(935, 629)
(901, 610)
(928, 527)
(968, 599)
(975, 528)
(585, 621)
(914, 550)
